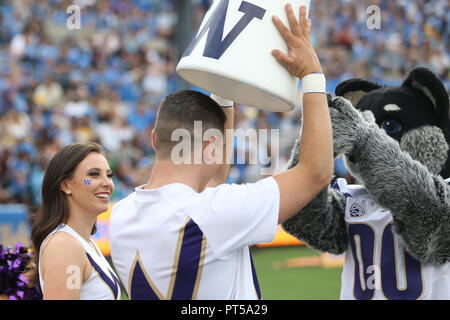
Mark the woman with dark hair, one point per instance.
(67, 264)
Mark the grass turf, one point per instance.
(306, 283)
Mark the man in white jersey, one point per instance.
(185, 234)
(394, 226)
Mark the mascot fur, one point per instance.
(394, 226)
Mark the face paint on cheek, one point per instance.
(87, 182)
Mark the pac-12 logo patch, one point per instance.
(356, 210)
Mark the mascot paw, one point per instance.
(369, 117)
(348, 125)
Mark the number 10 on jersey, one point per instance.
(398, 275)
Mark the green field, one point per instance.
(306, 283)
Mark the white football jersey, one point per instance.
(377, 265)
(103, 283)
(174, 243)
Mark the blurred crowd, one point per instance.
(105, 81)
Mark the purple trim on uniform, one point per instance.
(186, 274)
(140, 288)
(114, 286)
(189, 262)
(255, 277)
(227, 107)
(347, 195)
(336, 187)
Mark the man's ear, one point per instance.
(210, 151)
(65, 188)
(428, 83)
(153, 138)
(354, 89)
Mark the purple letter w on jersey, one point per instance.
(185, 279)
(215, 47)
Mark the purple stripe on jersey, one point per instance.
(140, 288)
(114, 286)
(336, 187)
(255, 277)
(188, 263)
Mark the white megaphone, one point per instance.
(231, 54)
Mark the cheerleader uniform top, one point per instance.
(103, 283)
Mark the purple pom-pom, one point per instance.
(23, 278)
(13, 283)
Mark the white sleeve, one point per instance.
(238, 215)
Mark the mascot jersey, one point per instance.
(174, 243)
(376, 264)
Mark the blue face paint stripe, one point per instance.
(189, 262)
(114, 286)
(255, 277)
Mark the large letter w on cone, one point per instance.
(215, 44)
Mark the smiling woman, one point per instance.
(76, 188)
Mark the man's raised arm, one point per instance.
(313, 172)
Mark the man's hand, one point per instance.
(300, 184)
(302, 59)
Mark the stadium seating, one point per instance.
(105, 81)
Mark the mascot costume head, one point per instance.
(416, 114)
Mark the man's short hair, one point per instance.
(179, 111)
